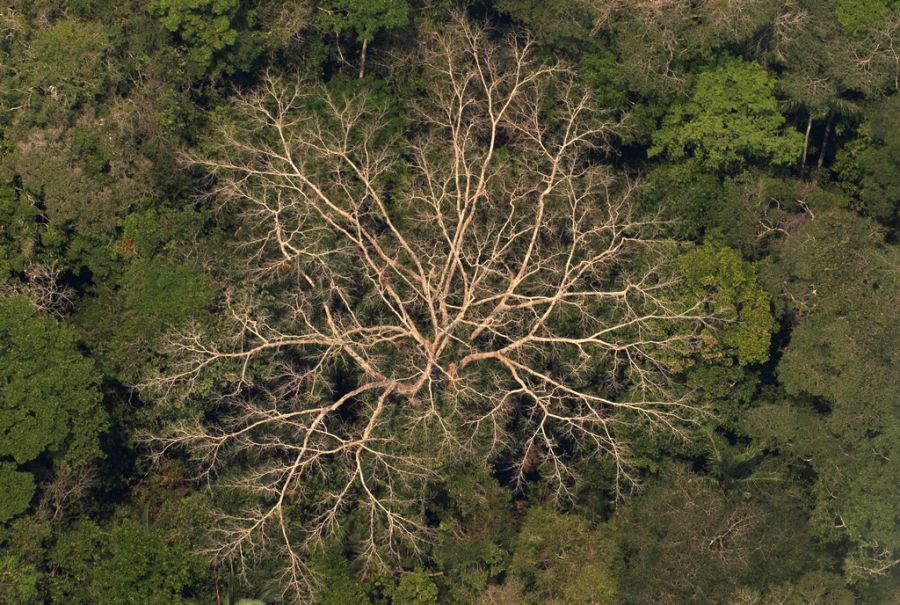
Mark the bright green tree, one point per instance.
(858, 15)
(415, 588)
(365, 18)
(207, 29)
(729, 119)
(50, 400)
(18, 581)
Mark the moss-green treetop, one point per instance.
(49, 396)
(734, 294)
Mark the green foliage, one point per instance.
(144, 566)
(49, 400)
(155, 296)
(69, 65)
(555, 23)
(818, 587)
(161, 295)
(738, 468)
(16, 491)
(338, 584)
(730, 119)
(727, 390)
(686, 541)
(415, 588)
(879, 590)
(840, 275)
(858, 15)
(205, 27)
(822, 67)
(22, 562)
(131, 564)
(365, 18)
(741, 211)
(842, 359)
(82, 179)
(142, 234)
(475, 530)
(560, 559)
(661, 45)
(693, 196)
(18, 231)
(18, 581)
(869, 167)
(609, 83)
(793, 495)
(735, 296)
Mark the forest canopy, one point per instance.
(405, 302)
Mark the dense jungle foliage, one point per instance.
(407, 302)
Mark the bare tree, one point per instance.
(70, 484)
(43, 285)
(469, 281)
(47, 290)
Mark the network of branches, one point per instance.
(462, 274)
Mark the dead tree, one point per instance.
(470, 266)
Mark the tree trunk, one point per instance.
(806, 145)
(825, 139)
(362, 59)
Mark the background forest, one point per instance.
(245, 359)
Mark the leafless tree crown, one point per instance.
(476, 278)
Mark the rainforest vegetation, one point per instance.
(414, 302)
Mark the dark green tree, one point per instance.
(128, 564)
(18, 232)
(840, 368)
(869, 166)
(364, 19)
(686, 541)
(206, 28)
(50, 403)
(16, 491)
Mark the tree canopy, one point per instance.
(729, 119)
(495, 302)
